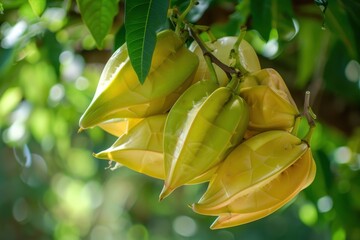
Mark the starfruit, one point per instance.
(251, 165)
(201, 129)
(120, 94)
(140, 148)
(265, 200)
(221, 49)
(270, 102)
(118, 127)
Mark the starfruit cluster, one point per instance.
(182, 127)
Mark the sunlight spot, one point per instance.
(271, 47)
(184, 226)
(296, 26)
(81, 83)
(20, 210)
(325, 204)
(54, 17)
(13, 34)
(15, 133)
(71, 65)
(57, 93)
(23, 156)
(308, 214)
(342, 155)
(352, 71)
(9, 100)
(339, 234)
(66, 57)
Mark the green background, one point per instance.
(53, 188)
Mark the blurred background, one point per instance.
(51, 187)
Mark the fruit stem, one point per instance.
(211, 36)
(210, 66)
(308, 113)
(308, 136)
(297, 122)
(227, 69)
(310, 117)
(234, 53)
(192, 3)
(180, 21)
(234, 83)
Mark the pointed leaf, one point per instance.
(338, 22)
(311, 41)
(98, 17)
(261, 17)
(119, 38)
(142, 19)
(38, 6)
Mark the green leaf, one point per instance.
(340, 77)
(142, 19)
(7, 56)
(119, 38)
(38, 6)
(282, 19)
(352, 8)
(261, 17)
(312, 43)
(337, 20)
(98, 17)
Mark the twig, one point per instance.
(308, 113)
(310, 117)
(228, 70)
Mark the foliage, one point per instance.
(51, 56)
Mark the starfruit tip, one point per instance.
(219, 223)
(100, 155)
(204, 209)
(166, 191)
(80, 130)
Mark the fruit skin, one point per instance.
(221, 49)
(268, 110)
(140, 148)
(251, 165)
(268, 77)
(118, 127)
(201, 129)
(119, 93)
(263, 201)
(270, 102)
